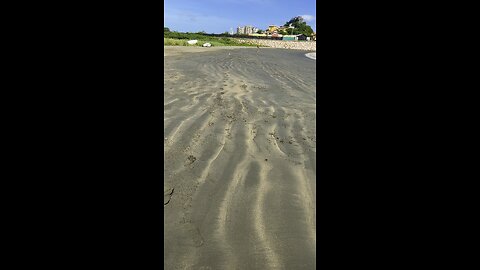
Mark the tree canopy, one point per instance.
(300, 25)
(166, 29)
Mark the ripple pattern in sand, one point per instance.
(239, 148)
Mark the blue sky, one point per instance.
(218, 16)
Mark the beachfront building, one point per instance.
(289, 37)
(294, 37)
(241, 30)
(301, 37)
(247, 30)
(272, 28)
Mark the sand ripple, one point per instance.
(240, 146)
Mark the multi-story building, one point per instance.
(246, 30)
(272, 28)
(241, 30)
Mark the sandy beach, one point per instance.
(240, 158)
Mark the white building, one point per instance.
(247, 30)
(241, 30)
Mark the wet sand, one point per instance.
(239, 149)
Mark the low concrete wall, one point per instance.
(295, 45)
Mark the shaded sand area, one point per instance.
(239, 149)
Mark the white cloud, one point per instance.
(308, 18)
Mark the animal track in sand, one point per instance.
(191, 159)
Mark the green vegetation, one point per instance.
(301, 27)
(174, 42)
(187, 36)
(180, 39)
